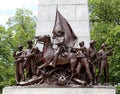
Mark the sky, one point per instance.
(8, 8)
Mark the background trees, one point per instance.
(6, 69)
(105, 27)
(21, 27)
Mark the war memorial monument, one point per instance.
(64, 59)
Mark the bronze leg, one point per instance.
(100, 71)
(86, 65)
(79, 66)
(106, 74)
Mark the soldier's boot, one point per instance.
(91, 83)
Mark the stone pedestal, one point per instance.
(75, 12)
(23, 90)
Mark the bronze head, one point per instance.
(103, 45)
(20, 47)
(29, 42)
(61, 33)
(92, 42)
(81, 43)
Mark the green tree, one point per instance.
(22, 25)
(105, 27)
(114, 40)
(21, 28)
(107, 11)
(6, 61)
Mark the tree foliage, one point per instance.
(107, 11)
(6, 61)
(105, 27)
(22, 25)
(21, 28)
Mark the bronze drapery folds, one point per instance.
(61, 24)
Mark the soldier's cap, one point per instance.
(29, 41)
(92, 42)
(20, 46)
(103, 45)
(82, 42)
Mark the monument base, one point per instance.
(36, 90)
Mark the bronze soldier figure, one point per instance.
(30, 66)
(83, 61)
(19, 64)
(70, 65)
(59, 41)
(103, 65)
(92, 56)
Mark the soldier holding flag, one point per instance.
(63, 35)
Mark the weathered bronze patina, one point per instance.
(61, 66)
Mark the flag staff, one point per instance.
(57, 7)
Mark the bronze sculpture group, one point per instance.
(63, 65)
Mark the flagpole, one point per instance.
(57, 7)
(55, 19)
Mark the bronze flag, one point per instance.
(61, 24)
